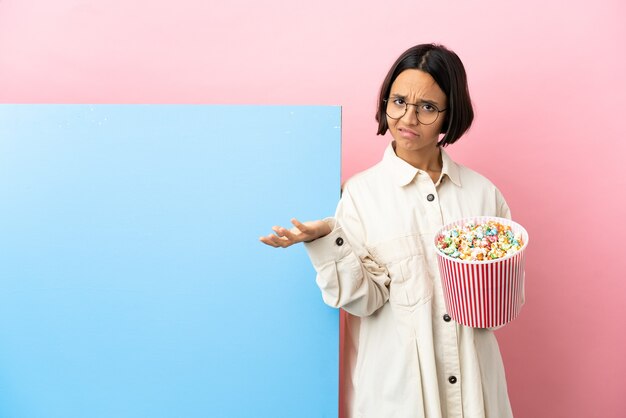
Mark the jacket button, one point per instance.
(452, 379)
(339, 241)
(446, 318)
(430, 197)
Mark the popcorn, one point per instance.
(479, 242)
(481, 262)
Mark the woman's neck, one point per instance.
(428, 160)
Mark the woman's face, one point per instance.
(411, 136)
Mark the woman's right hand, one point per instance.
(301, 232)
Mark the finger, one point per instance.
(268, 241)
(279, 240)
(275, 241)
(294, 238)
(302, 227)
(279, 230)
(287, 235)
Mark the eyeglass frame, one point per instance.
(417, 113)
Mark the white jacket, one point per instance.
(379, 264)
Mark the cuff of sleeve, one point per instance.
(332, 247)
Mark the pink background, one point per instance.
(547, 80)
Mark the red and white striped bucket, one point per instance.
(483, 294)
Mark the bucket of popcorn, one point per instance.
(481, 261)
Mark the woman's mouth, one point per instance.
(407, 133)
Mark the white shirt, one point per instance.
(379, 264)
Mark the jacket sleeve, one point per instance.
(502, 207)
(347, 275)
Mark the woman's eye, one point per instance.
(398, 101)
(428, 108)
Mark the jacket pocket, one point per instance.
(405, 260)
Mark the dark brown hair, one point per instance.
(447, 70)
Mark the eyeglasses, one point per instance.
(427, 113)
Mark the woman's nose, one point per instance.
(410, 116)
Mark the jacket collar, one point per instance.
(404, 173)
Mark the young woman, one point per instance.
(375, 259)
